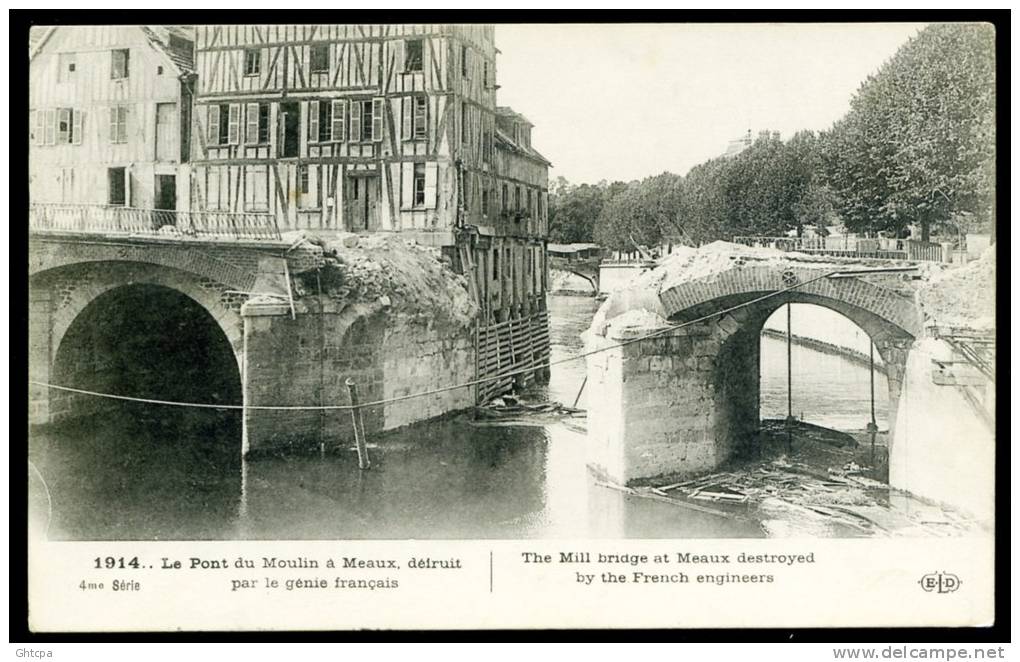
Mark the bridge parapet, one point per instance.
(113, 219)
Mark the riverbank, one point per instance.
(824, 347)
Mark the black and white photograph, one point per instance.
(512, 282)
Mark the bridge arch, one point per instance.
(167, 307)
(691, 395)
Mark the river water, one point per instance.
(137, 476)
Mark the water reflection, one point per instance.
(156, 475)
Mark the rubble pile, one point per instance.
(964, 296)
(387, 272)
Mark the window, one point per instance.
(64, 125)
(326, 120)
(419, 184)
(414, 115)
(159, 70)
(517, 198)
(528, 201)
(463, 123)
(119, 63)
(252, 61)
(506, 198)
(485, 74)
(485, 201)
(303, 178)
(118, 124)
(495, 264)
(464, 61)
(225, 124)
(290, 118)
(67, 64)
(116, 189)
(320, 58)
(256, 130)
(367, 120)
(413, 60)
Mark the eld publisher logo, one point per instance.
(940, 582)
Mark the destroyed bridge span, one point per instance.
(675, 390)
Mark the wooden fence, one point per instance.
(506, 347)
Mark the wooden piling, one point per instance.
(359, 426)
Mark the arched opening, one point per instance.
(823, 392)
(830, 361)
(152, 342)
(131, 470)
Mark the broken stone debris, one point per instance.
(388, 272)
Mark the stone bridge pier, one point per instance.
(686, 399)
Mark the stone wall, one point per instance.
(307, 360)
(673, 405)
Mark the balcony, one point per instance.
(110, 219)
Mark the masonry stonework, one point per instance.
(686, 399)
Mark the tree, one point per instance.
(626, 223)
(572, 214)
(918, 145)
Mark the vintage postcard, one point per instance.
(473, 326)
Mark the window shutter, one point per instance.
(33, 126)
(406, 109)
(251, 117)
(406, 185)
(213, 130)
(313, 121)
(77, 126)
(234, 124)
(431, 172)
(421, 117)
(122, 114)
(113, 123)
(377, 119)
(355, 121)
(337, 115)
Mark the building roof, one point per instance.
(176, 42)
(506, 142)
(507, 111)
(571, 248)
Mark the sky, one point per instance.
(622, 102)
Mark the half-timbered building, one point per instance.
(377, 128)
(110, 115)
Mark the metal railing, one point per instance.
(848, 246)
(110, 219)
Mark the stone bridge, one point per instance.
(585, 268)
(222, 321)
(686, 400)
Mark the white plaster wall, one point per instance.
(941, 450)
(605, 409)
(615, 277)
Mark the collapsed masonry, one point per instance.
(385, 312)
